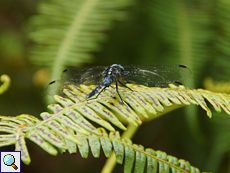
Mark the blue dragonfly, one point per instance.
(104, 76)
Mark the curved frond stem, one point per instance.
(166, 111)
(109, 164)
(66, 32)
(6, 83)
(74, 29)
(130, 132)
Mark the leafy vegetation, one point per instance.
(73, 33)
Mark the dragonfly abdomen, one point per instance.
(95, 91)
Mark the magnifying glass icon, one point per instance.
(9, 160)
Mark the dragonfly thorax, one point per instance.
(107, 81)
(112, 74)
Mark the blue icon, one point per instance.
(9, 160)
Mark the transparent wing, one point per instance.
(85, 75)
(76, 76)
(56, 87)
(157, 75)
(148, 75)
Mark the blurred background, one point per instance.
(38, 39)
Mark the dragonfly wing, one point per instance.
(76, 76)
(158, 75)
(56, 87)
(85, 75)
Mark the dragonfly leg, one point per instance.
(124, 85)
(119, 94)
(100, 92)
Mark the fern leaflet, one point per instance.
(71, 116)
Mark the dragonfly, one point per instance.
(104, 76)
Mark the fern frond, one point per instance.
(6, 83)
(70, 115)
(221, 60)
(183, 26)
(127, 152)
(67, 31)
(143, 101)
(124, 149)
(45, 135)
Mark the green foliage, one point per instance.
(193, 33)
(68, 127)
(6, 83)
(55, 134)
(181, 24)
(67, 31)
(221, 66)
(144, 101)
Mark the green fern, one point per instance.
(58, 129)
(67, 31)
(188, 31)
(144, 101)
(185, 28)
(221, 60)
(123, 148)
(6, 83)
(182, 24)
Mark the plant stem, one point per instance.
(111, 161)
